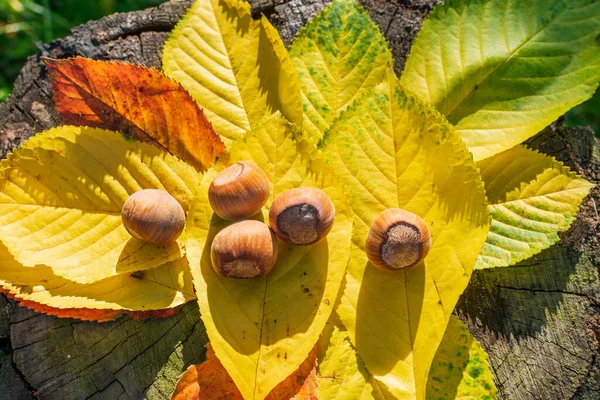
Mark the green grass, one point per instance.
(26, 24)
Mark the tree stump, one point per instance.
(538, 321)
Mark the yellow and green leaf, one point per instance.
(392, 150)
(338, 55)
(61, 195)
(235, 67)
(262, 329)
(165, 286)
(502, 70)
(532, 198)
(460, 369)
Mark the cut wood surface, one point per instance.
(538, 321)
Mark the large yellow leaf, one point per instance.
(61, 195)
(459, 371)
(235, 67)
(392, 150)
(262, 329)
(532, 197)
(338, 55)
(502, 70)
(166, 286)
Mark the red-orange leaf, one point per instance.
(91, 314)
(137, 101)
(210, 381)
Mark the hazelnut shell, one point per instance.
(239, 191)
(245, 249)
(397, 239)
(153, 215)
(302, 216)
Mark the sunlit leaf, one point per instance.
(210, 380)
(166, 286)
(262, 329)
(235, 67)
(532, 198)
(460, 369)
(61, 195)
(502, 70)
(392, 150)
(135, 100)
(338, 55)
(342, 374)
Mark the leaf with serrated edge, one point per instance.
(262, 329)
(460, 369)
(209, 380)
(61, 195)
(502, 70)
(392, 150)
(235, 67)
(532, 198)
(139, 101)
(338, 55)
(166, 286)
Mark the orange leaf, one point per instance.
(210, 380)
(137, 101)
(90, 314)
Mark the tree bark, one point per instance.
(538, 321)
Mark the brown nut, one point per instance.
(302, 216)
(239, 191)
(154, 216)
(245, 249)
(397, 239)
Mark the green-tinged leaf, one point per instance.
(262, 329)
(235, 67)
(532, 198)
(502, 70)
(166, 286)
(392, 150)
(61, 195)
(338, 55)
(342, 375)
(460, 369)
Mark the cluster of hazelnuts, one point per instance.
(301, 217)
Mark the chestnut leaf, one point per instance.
(391, 150)
(502, 70)
(61, 195)
(235, 67)
(262, 329)
(532, 198)
(338, 55)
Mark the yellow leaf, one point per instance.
(460, 369)
(532, 198)
(61, 196)
(235, 67)
(502, 70)
(262, 329)
(166, 286)
(391, 150)
(338, 55)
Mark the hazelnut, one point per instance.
(397, 239)
(154, 216)
(239, 191)
(302, 216)
(245, 249)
